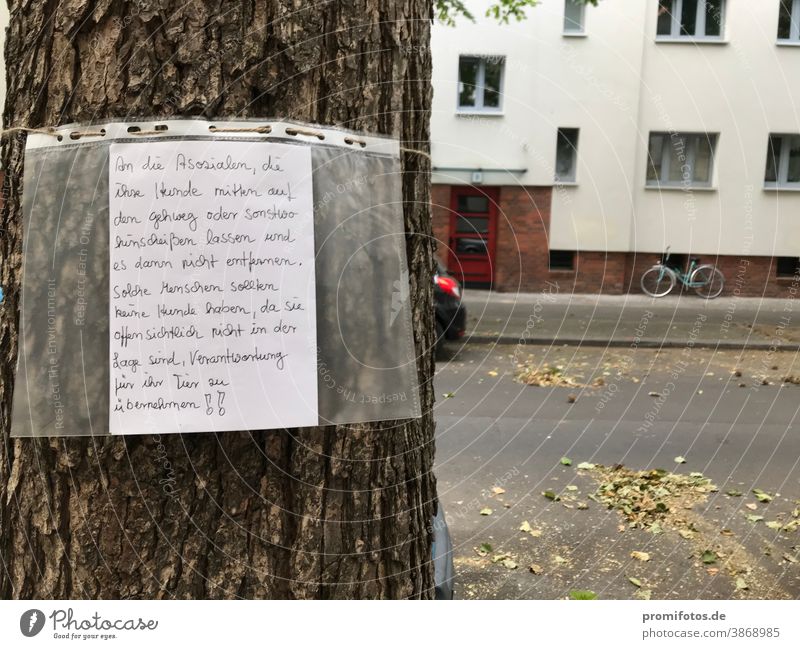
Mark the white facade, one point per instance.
(617, 83)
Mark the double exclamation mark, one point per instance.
(220, 398)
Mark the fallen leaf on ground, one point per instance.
(582, 594)
(648, 498)
(686, 534)
(509, 563)
(741, 584)
(535, 568)
(586, 465)
(680, 460)
(712, 571)
(550, 495)
(762, 496)
(709, 557)
(734, 493)
(492, 373)
(566, 461)
(525, 527)
(486, 511)
(644, 594)
(547, 377)
(449, 395)
(653, 394)
(483, 549)
(559, 559)
(774, 525)
(635, 582)
(751, 506)
(498, 490)
(754, 518)
(640, 556)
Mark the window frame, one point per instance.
(574, 32)
(700, 22)
(480, 81)
(794, 24)
(573, 178)
(782, 167)
(693, 138)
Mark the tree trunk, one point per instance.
(333, 512)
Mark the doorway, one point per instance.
(473, 233)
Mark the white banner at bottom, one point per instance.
(618, 624)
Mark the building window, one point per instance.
(681, 159)
(480, 83)
(566, 155)
(574, 13)
(691, 19)
(783, 161)
(562, 260)
(789, 21)
(787, 267)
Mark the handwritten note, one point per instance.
(212, 311)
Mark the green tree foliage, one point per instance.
(503, 11)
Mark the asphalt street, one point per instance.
(731, 415)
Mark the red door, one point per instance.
(473, 230)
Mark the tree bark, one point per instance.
(333, 512)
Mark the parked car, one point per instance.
(442, 552)
(451, 314)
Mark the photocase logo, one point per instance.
(31, 622)
(400, 296)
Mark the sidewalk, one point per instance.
(551, 317)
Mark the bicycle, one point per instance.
(707, 280)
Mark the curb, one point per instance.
(647, 343)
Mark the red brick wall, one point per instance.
(595, 272)
(440, 208)
(521, 257)
(522, 254)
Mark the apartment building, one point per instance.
(579, 145)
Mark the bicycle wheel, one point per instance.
(709, 281)
(658, 281)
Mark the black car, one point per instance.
(451, 314)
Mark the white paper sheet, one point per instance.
(212, 313)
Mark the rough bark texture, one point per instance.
(327, 512)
